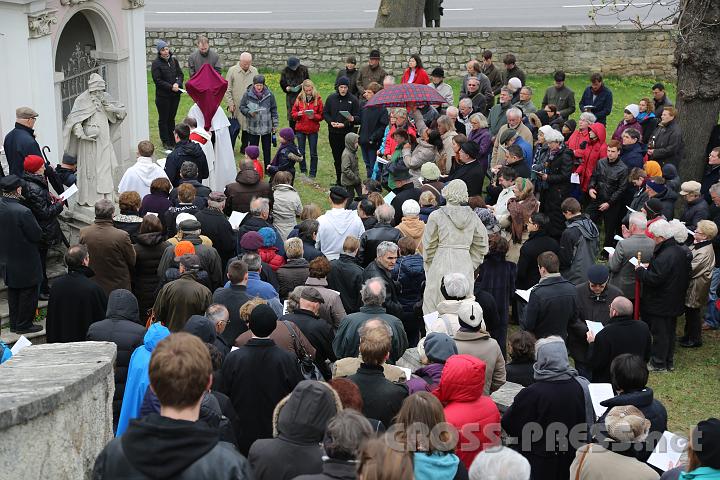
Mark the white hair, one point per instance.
(588, 117)
(453, 110)
(246, 56)
(465, 101)
(515, 112)
(389, 80)
(680, 231)
(662, 228)
(639, 220)
(554, 136)
(386, 247)
(385, 213)
(456, 285)
(501, 463)
(715, 188)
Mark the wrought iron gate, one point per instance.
(77, 72)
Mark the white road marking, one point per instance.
(213, 13)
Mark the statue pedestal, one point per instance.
(73, 219)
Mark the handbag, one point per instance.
(307, 366)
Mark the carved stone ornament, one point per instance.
(72, 2)
(133, 4)
(39, 22)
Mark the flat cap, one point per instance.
(311, 294)
(25, 113)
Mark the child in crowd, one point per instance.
(287, 154)
(350, 173)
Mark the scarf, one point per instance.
(520, 213)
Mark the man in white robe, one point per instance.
(138, 177)
(223, 169)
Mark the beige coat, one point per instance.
(238, 83)
(601, 464)
(347, 366)
(480, 345)
(701, 267)
(332, 310)
(286, 207)
(454, 241)
(498, 155)
(448, 153)
(412, 227)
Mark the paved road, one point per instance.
(289, 14)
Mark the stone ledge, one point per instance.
(321, 31)
(41, 378)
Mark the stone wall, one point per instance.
(622, 52)
(56, 410)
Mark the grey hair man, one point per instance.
(387, 255)
(219, 317)
(514, 122)
(344, 435)
(496, 116)
(239, 78)
(501, 463)
(347, 338)
(525, 103)
(634, 242)
(381, 232)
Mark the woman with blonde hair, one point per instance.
(521, 208)
(308, 113)
(378, 462)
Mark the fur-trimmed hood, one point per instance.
(302, 416)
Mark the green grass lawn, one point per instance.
(690, 392)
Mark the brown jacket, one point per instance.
(480, 345)
(181, 299)
(701, 267)
(112, 256)
(412, 227)
(282, 338)
(247, 185)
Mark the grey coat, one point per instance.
(622, 272)
(266, 116)
(286, 207)
(563, 99)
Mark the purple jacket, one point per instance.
(425, 378)
(483, 138)
(622, 126)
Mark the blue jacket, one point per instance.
(5, 353)
(602, 103)
(436, 465)
(410, 274)
(526, 148)
(138, 379)
(19, 143)
(633, 155)
(258, 288)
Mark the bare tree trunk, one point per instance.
(400, 13)
(697, 58)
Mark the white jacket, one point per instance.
(335, 225)
(139, 177)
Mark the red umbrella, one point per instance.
(207, 88)
(401, 95)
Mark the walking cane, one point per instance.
(636, 312)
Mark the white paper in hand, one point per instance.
(389, 197)
(594, 327)
(524, 294)
(618, 238)
(599, 392)
(72, 190)
(381, 160)
(668, 451)
(407, 372)
(610, 250)
(21, 343)
(429, 319)
(236, 219)
(631, 210)
(634, 261)
(161, 162)
(286, 307)
(575, 178)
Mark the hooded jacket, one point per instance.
(299, 423)
(346, 277)
(461, 393)
(247, 185)
(180, 299)
(36, 197)
(350, 176)
(139, 176)
(137, 378)
(185, 151)
(590, 155)
(578, 248)
(335, 225)
(437, 466)
(157, 447)
(668, 199)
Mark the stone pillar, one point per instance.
(136, 71)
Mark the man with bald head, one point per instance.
(621, 335)
(239, 77)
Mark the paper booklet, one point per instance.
(594, 327)
(236, 219)
(668, 451)
(72, 190)
(599, 392)
(524, 294)
(345, 113)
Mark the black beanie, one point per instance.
(708, 443)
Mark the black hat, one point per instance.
(201, 327)
(708, 443)
(598, 274)
(374, 54)
(339, 191)
(190, 225)
(293, 63)
(343, 81)
(653, 207)
(190, 262)
(311, 294)
(438, 72)
(10, 183)
(400, 172)
(263, 320)
(472, 149)
(69, 159)
(507, 135)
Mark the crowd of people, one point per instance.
(271, 348)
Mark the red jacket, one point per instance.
(259, 168)
(270, 256)
(421, 76)
(305, 124)
(390, 143)
(594, 151)
(474, 415)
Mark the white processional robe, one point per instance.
(223, 169)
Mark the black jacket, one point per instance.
(382, 398)
(620, 335)
(694, 212)
(373, 121)
(217, 228)
(292, 78)
(293, 274)
(346, 276)
(300, 422)
(333, 470)
(610, 179)
(651, 408)
(20, 238)
(473, 174)
(669, 146)
(37, 199)
(310, 251)
(602, 101)
(122, 327)
(186, 151)
(149, 250)
(520, 372)
(527, 268)
(551, 309)
(336, 103)
(595, 308)
(256, 377)
(665, 281)
(633, 155)
(668, 199)
(392, 298)
(19, 143)
(165, 73)
(201, 193)
(320, 335)
(233, 297)
(352, 76)
(406, 192)
(559, 167)
(157, 447)
(75, 303)
(369, 241)
(710, 178)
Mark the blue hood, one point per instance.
(437, 465)
(155, 333)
